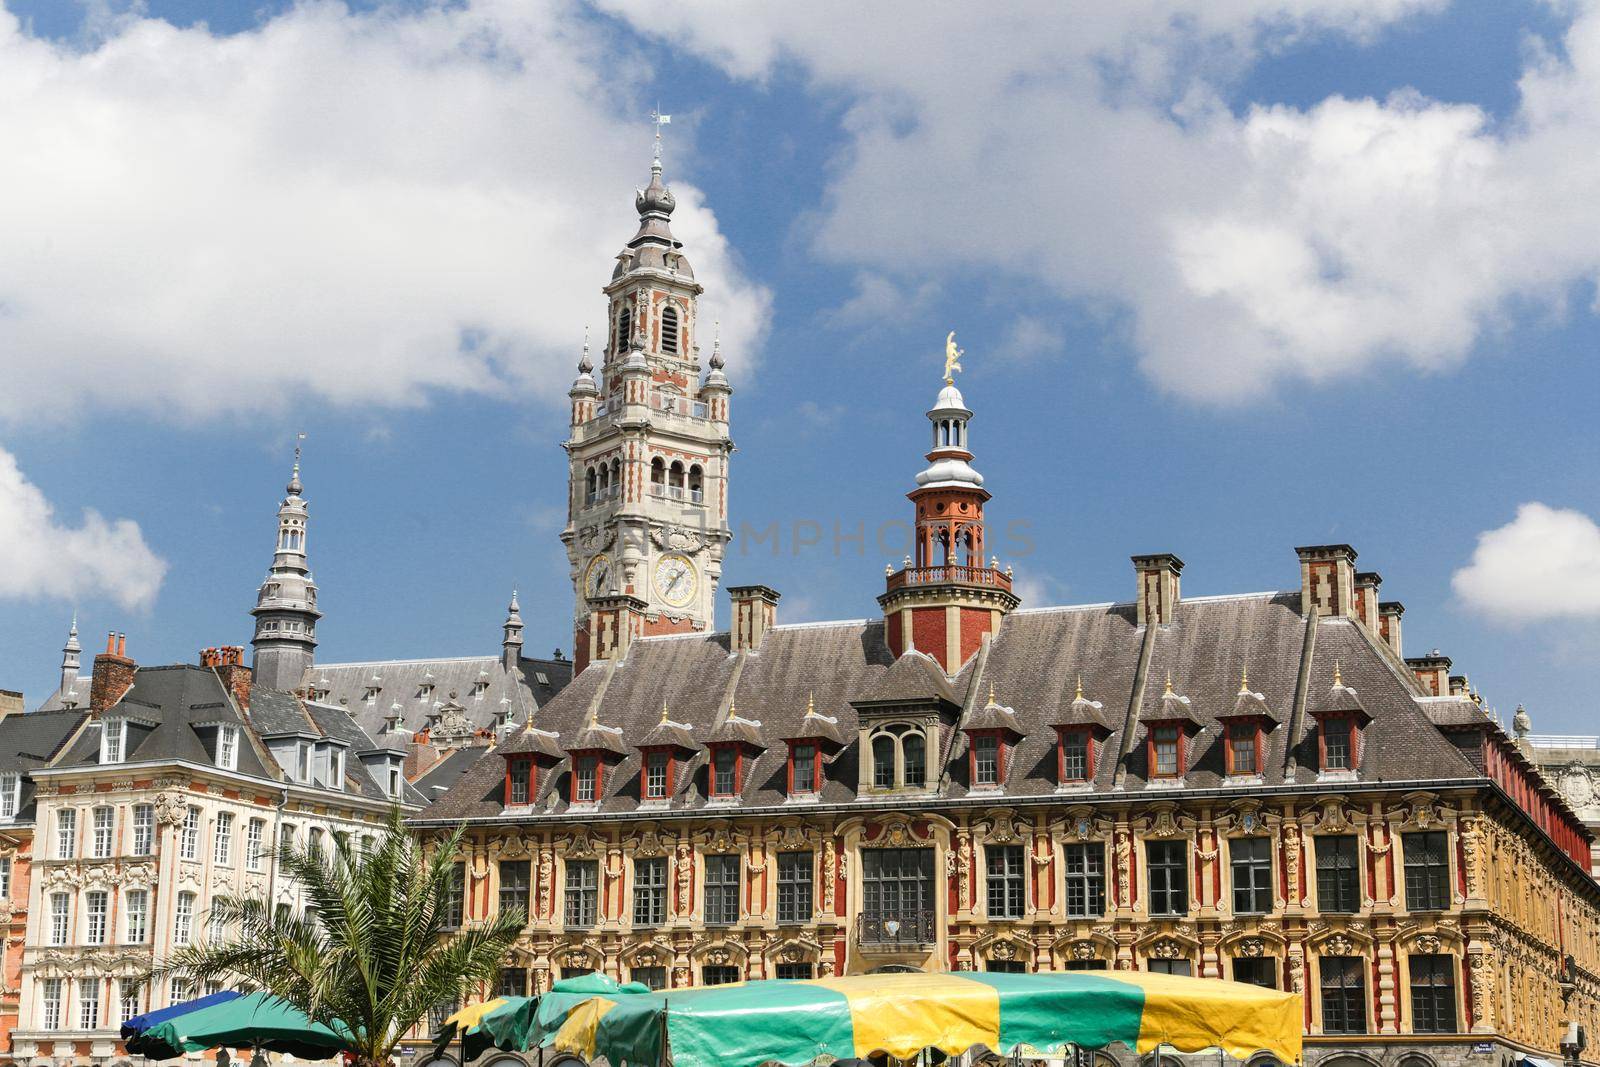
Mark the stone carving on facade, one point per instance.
(680, 977)
(1124, 858)
(1251, 946)
(1000, 827)
(1339, 945)
(1332, 815)
(895, 831)
(1167, 948)
(547, 866)
(648, 844)
(170, 809)
(830, 873)
(515, 846)
(677, 539)
(1291, 861)
(1165, 822)
(719, 841)
(1427, 944)
(1471, 834)
(685, 875)
(963, 854)
(580, 845)
(1419, 810)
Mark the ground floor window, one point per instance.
(712, 974)
(1182, 967)
(1086, 965)
(794, 970)
(1006, 966)
(1344, 995)
(654, 977)
(1433, 994)
(1256, 970)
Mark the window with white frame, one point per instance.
(228, 747)
(100, 842)
(95, 908)
(216, 927)
(50, 995)
(336, 762)
(189, 839)
(5, 877)
(253, 835)
(138, 916)
(10, 794)
(303, 762)
(60, 917)
(113, 740)
(183, 919)
(130, 993)
(222, 840)
(144, 829)
(180, 990)
(88, 1004)
(66, 833)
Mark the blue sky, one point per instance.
(1225, 288)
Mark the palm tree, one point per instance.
(372, 951)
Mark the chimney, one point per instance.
(228, 662)
(10, 702)
(1327, 580)
(113, 673)
(1367, 583)
(1389, 613)
(1433, 672)
(755, 611)
(1458, 686)
(1158, 586)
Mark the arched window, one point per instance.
(616, 476)
(605, 477)
(669, 330)
(696, 484)
(589, 486)
(883, 761)
(658, 472)
(624, 329)
(915, 755)
(675, 475)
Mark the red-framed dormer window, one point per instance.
(1166, 754)
(1075, 754)
(1339, 742)
(987, 759)
(587, 778)
(1243, 750)
(727, 770)
(656, 774)
(805, 768)
(520, 781)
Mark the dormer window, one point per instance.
(113, 740)
(1244, 732)
(986, 759)
(1244, 748)
(805, 769)
(371, 696)
(1166, 751)
(586, 776)
(657, 776)
(726, 770)
(425, 691)
(899, 758)
(1338, 743)
(10, 794)
(228, 747)
(519, 781)
(1340, 721)
(1074, 754)
(479, 688)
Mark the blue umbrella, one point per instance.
(137, 1025)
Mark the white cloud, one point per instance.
(1031, 338)
(1544, 564)
(1089, 151)
(352, 207)
(41, 557)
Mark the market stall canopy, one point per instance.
(136, 1026)
(798, 1022)
(256, 1020)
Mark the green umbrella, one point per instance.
(259, 1020)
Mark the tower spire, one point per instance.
(511, 644)
(286, 604)
(70, 658)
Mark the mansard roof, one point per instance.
(30, 741)
(1034, 661)
(510, 695)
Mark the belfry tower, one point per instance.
(647, 507)
(946, 598)
(286, 605)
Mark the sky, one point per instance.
(1229, 278)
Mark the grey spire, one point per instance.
(511, 645)
(655, 204)
(716, 379)
(584, 384)
(286, 605)
(70, 659)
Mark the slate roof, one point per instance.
(1034, 664)
(76, 698)
(30, 741)
(436, 780)
(515, 693)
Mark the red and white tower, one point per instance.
(948, 598)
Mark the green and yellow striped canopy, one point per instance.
(803, 1021)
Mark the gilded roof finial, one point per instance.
(991, 693)
(811, 703)
(952, 357)
(663, 711)
(1080, 687)
(1169, 681)
(1244, 680)
(1338, 679)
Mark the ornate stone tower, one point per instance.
(947, 598)
(647, 510)
(286, 606)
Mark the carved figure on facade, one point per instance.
(1124, 858)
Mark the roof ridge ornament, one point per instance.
(1244, 680)
(952, 358)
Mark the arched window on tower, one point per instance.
(624, 329)
(616, 477)
(669, 330)
(914, 753)
(696, 484)
(675, 480)
(658, 477)
(883, 761)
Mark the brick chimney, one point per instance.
(1433, 672)
(228, 662)
(1158, 586)
(755, 611)
(1389, 613)
(113, 673)
(1367, 583)
(1327, 580)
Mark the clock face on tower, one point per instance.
(597, 579)
(676, 580)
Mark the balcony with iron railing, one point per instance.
(602, 496)
(677, 492)
(951, 574)
(900, 931)
(673, 404)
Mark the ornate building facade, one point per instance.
(1255, 788)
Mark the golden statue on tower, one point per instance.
(952, 357)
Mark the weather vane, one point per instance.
(660, 120)
(952, 357)
(297, 439)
